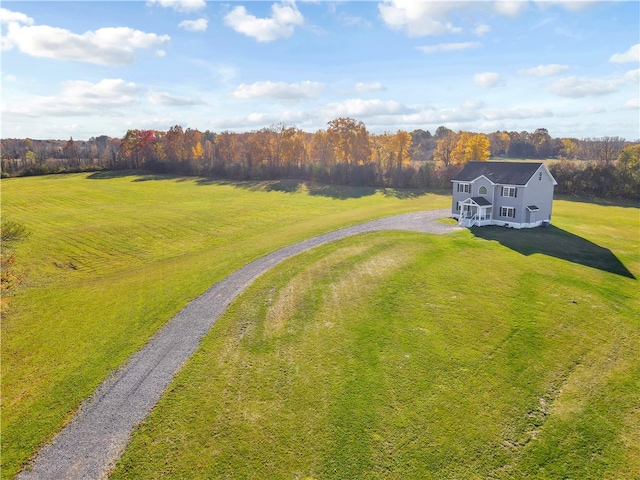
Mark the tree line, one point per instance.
(343, 153)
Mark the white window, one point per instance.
(464, 187)
(482, 190)
(508, 212)
(509, 192)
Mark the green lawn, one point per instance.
(112, 257)
(490, 353)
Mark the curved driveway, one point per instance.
(90, 445)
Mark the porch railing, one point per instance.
(467, 220)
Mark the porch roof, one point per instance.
(481, 201)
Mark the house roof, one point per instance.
(505, 173)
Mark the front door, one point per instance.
(469, 211)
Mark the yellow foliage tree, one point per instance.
(401, 142)
(197, 152)
(471, 147)
(444, 148)
(477, 148)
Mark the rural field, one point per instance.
(489, 353)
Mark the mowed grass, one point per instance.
(112, 257)
(403, 355)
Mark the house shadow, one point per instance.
(557, 243)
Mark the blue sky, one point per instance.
(88, 68)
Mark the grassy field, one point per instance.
(491, 353)
(111, 257)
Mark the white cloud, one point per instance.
(543, 70)
(633, 75)
(448, 47)
(8, 16)
(80, 97)
(482, 29)
(576, 87)
(164, 98)
(105, 46)
(369, 87)
(472, 104)
(353, 21)
(442, 116)
(180, 5)
(284, 18)
(510, 8)
(259, 119)
(280, 90)
(199, 25)
(419, 18)
(631, 55)
(632, 104)
(570, 5)
(488, 79)
(518, 113)
(356, 107)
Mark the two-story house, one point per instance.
(510, 194)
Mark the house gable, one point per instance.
(540, 173)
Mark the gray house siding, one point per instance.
(539, 192)
(512, 202)
(474, 191)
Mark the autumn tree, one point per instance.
(350, 140)
(470, 147)
(609, 148)
(382, 152)
(422, 145)
(477, 148)
(320, 155)
(569, 148)
(226, 145)
(175, 146)
(293, 148)
(444, 147)
(499, 143)
(71, 152)
(401, 143)
(136, 147)
(541, 140)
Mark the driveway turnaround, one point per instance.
(90, 445)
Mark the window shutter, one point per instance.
(513, 214)
(515, 192)
(502, 192)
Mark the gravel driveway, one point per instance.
(90, 445)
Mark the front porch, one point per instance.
(475, 211)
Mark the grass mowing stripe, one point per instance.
(463, 361)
